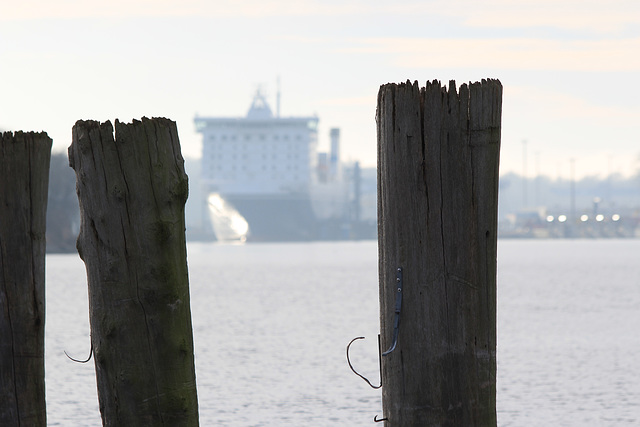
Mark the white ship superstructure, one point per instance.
(263, 166)
(259, 154)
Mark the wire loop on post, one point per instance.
(354, 371)
(81, 361)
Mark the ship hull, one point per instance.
(276, 217)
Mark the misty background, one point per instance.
(568, 68)
(542, 195)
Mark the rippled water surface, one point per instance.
(271, 323)
(568, 340)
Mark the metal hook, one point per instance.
(81, 361)
(396, 321)
(351, 366)
(396, 324)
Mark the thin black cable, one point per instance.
(354, 371)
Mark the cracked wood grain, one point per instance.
(132, 189)
(438, 157)
(24, 180)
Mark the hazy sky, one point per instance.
(569, 68)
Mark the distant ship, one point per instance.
(260, 167)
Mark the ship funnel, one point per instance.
(334, 160)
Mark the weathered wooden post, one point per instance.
(438, 155)
(132, 192)
(24, 180)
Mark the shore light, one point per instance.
(599, 217)
(584, 218)
(615, 217)
(550, 218)
(562, 218)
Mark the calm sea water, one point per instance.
(271, 323)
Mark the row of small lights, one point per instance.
(583, 218)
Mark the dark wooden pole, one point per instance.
(132, 192)
(24, 180)
(438, 155)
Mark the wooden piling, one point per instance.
(132, 192)
(24, 180)
(438, 155)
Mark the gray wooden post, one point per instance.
(24, 180)
(132, 192)
(438, 155)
